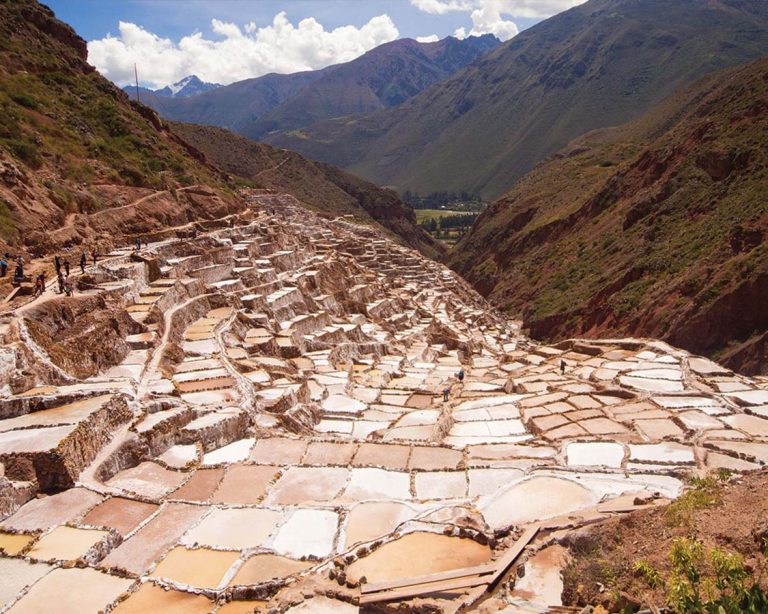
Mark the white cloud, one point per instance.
(238, 54)
(433, 38)
(492, 16)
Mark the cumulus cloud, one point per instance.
(493, 16)
(433, 38)
(238, 53)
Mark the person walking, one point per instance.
(3, 266)
(60, 279)
(39, 286)
(94, 254)
(68, 287)
(562, 367)
(446, 393)
(83, 262)
(66, 268)
(460, 375)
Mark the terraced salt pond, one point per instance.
(277, 432)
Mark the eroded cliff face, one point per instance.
(655, 228)
(82, 336)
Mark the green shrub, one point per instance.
(7, 223)
(705, 493)
(649, 573)
(25, 100)
(727, 589)
(26, 152)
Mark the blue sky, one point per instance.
(229, 40)
(93, 19)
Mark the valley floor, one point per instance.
(268, 416)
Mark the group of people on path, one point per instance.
(63, 278)
(62, 275)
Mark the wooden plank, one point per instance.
(479, 570)
(502, 565)
(12, 294)
(405, 589)
(425, 589)
(471, 599)
(511, 555)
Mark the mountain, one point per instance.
(318, 186)
(79, 163)
(186, 87)
(656, 228)
(381, 78)
(234, 106)
(600, 64)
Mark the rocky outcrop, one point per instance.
(83, 335)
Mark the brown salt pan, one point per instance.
(329, 453)
(123, 515)
(418, 554)
(278, 451)
(245, 484)
(145, 547)
(201, 568)
(201, 486)
(152, 598)
(73, 591)
(12, 544)
(368, 521)
(42, 514)
(66, 543)
(382, 455)
(265, 567)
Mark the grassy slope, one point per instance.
(319, 186)
(65, 129)
(656, 228)
(599, 64)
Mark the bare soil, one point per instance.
(604, 555)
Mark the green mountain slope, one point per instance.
(597, 65)
(318, 186)
(79, 164)
(82, 165)
(657, 228)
